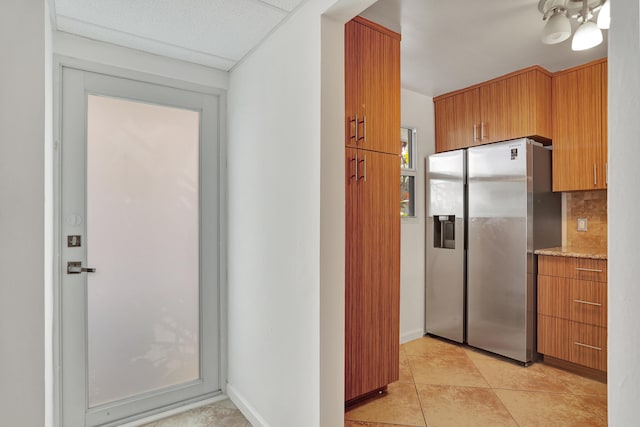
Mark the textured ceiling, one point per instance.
(446, 44)
(217, 33)
(451, 44)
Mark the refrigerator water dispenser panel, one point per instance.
(444, 231)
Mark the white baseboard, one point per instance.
(411, 335)
(245, 407)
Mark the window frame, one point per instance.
(412, 169)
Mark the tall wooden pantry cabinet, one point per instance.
(372, 179)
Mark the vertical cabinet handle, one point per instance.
(355, 160)
(354, 121)
(595, 178)
(364, 128)
(482, 131)
(475, 132)
(364, 176)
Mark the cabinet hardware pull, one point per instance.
(595, 178)
(587, 346)
(475, 133)
(364, 126)
(481, 131)
(593, 270)
(579, 301)
(355, 159)
(364, 177)
(355, 120)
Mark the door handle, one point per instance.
(75, 267)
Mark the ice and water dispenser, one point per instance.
(444, 231)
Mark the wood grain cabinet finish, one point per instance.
(372, 86)
(579, 108)
(372, 177)
(512, 106)
(572, 310)
(456, 120)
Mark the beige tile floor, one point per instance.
(220, 414)
(443, 384)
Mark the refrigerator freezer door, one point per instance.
(499, 205)
(445, 252)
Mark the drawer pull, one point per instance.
(587, 346)
(593, 270)
(579, 301)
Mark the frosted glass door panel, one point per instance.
(142, 237)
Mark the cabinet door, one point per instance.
(456, 120)
(373, 293)
(516, 107)
(554, 296)
(577, 129)
(378, 59)
(554, 337)
(354, 292)
(604, 137)
(351, 31)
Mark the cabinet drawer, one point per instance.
(578, 300)
(573, 268)
(589, 346)
(588, 302)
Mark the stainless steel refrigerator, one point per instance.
(489, 208)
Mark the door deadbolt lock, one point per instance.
(74, 241)
(75, 267)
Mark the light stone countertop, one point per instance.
(577, 252)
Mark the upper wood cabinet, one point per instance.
(512, 106)
(455, 116)
(580, 128)
(372, 86)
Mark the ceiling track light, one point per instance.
(558, 14)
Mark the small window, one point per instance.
(408, 157)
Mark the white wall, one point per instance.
(332, 225)
(22, 208)
(286, 222)
(624, 203)
(417, 112)
(274, 227)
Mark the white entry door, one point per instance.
(139, 248)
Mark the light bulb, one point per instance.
(604, 16)
(587, 35)
(557, 29)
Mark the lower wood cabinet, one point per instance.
(372, 281)
(575, 342)
(572, 310)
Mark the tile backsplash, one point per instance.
(591, 205)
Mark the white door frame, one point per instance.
(61, 62)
